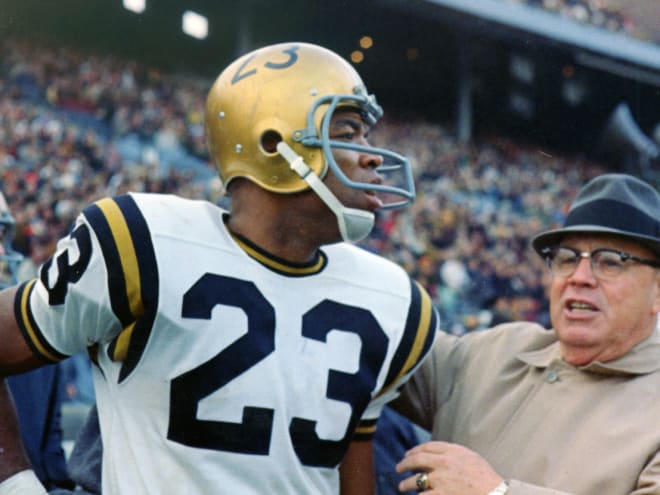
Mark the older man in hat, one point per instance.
(522, 410)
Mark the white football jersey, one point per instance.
(220, 369)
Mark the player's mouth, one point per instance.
(373, 201)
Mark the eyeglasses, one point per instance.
(605, 263)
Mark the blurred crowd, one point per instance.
(604, 14)
(76, 127)
(466, 237)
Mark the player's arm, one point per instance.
(357, 473)
(12, 456)
(15, 357)
(15, 354)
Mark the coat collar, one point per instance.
(642, 359)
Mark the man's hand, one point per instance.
(451, 469)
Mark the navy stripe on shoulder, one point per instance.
(133, 281)
(418, 335)
(116, 281)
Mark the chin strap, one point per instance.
(354, 224)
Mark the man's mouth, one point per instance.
(580, 306)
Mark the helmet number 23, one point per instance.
(253, 434)
(242, 72)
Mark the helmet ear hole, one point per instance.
(269, 140)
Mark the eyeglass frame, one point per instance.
(547, 251)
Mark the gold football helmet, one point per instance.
(284, 96)
(284, 92)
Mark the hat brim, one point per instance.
(554, 237)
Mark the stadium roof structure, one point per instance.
(614, 52)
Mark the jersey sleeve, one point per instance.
(416, 342)
(99, 286)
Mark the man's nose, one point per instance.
(583, 271)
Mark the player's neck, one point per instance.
(277, 238)
(291, 227)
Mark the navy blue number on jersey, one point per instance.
(67, 272)
(253, 434)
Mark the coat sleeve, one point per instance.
(431, 385)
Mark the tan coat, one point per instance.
(547, 426)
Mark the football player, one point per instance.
(246, 351)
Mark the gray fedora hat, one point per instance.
(611, 204)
